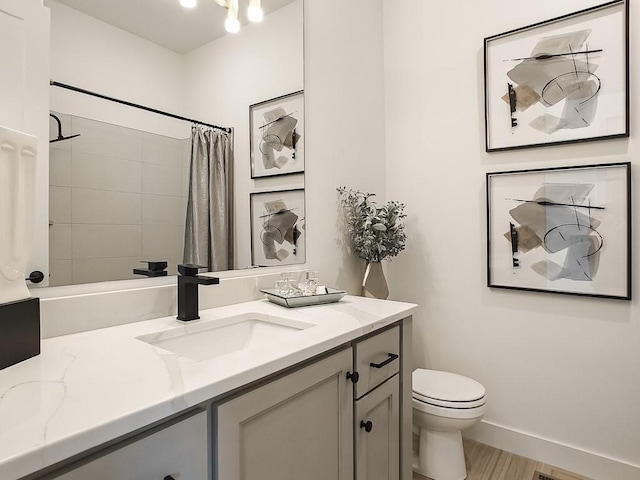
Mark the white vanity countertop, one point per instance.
(88, 388)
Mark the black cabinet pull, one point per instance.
(392, 357)
(368, 426)
(354, 377)
(168, 477)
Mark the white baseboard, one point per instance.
(550, 452)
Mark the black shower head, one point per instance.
(60, 136)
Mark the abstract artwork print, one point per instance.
(560, 81)
(563, 230)
(277, 228)
(558, 217)
(277, 136)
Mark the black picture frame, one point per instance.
(564, 80)
(278, 227)
(276, 136)
(561, 230)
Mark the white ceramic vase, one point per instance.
(18, 153)
(374, 284)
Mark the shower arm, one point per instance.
(59, 125)
(60, 137)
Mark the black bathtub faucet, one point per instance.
(188, 281)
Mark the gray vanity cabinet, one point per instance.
(296, 427)
(306, 424)
(177, 451)
(377, 433)
(345, 415)
(377, 360)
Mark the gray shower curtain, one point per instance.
(208, 237)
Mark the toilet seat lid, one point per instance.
(445, 386)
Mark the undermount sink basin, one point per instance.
(208, 339)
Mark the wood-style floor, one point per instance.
(488, 463)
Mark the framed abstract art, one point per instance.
(561, 230)
(558, 81)
(277, 136)
(277, 228)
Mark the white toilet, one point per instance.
(444, 404)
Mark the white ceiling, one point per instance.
(166, 22)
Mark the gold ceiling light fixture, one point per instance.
(232, 23)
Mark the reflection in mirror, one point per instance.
(117, 196)
(119, 189)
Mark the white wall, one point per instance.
(561, 372)
(93, 55)
(344, 86)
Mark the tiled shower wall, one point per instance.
(117, 197)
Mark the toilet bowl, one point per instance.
(444, 404)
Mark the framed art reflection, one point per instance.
(562, 80)
(277, 228)
(561, 230)
(277, 136)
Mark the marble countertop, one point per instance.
(89, 388)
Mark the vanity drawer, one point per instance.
(178, 451)
(376, 359)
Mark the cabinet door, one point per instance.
(179, 450)
(378, 450)
(296, 427)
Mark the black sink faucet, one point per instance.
(188, 282)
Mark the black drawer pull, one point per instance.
(168, 477)
(392, 357)
(354, 377)
(368, 426)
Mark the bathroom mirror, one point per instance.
(118, 190)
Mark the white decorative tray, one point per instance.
(331, 296)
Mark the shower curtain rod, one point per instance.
(135, 105)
